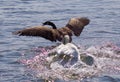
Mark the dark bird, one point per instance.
(50, 23)
(74, 26)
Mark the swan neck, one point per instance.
(66, 39)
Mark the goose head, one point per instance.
(50, 23)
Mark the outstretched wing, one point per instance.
(41, 31)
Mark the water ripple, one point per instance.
(18, 14)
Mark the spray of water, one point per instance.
(96, 60)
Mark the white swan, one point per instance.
(65, 53)
(68, 48)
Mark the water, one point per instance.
(95, 61)
(18, 14)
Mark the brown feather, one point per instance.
(41, 31)
(75, 25)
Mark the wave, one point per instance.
(97, 60)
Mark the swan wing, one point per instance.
(60, 49)
(65, 49)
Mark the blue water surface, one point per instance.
(19, 14)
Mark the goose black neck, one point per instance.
(51, 24)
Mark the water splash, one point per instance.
(96, 60)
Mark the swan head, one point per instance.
(50, 23)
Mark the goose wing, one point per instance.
(40, 31)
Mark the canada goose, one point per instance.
(50, 23)
(74, 26)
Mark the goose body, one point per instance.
(74, 26)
